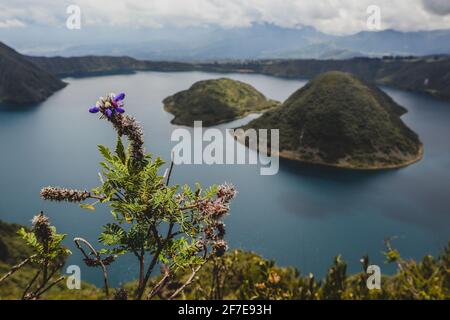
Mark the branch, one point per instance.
(37, 293)
(191, 277)
(170, 170)
(93, 196)
(158, 286)
(188, 282)
(99, 260)
(154, 261)
(16, 267)
(24, 295)
(148, 273)
(50, 286)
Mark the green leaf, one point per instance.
(120, 150)
(87, 206)
(105, 152)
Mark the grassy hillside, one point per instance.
(102, 65)
(338, 120)
(246, 275)
(216, 101)
(419, 74)
(12, 251)
(22, 82)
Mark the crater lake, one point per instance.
(302, 217)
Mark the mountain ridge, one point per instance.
(21, 81)
(256, 41)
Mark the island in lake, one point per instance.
(338, 120)
(216, 101)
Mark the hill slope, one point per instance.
(420, 74)
(216, 101)
(22, 82)
(338, 120)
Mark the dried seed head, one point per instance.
(220, 226)
(94, 262)
(128, 126)
(220, 247)
(63, 194)
(226, 192)
(41, 227)
(200, 244)
(215, 209)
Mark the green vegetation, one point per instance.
(427, 74)
(21, 81)
(25, 79)
(216, 101)
(176, 227)
(246, 275)
(338, 120)
(88, 66)
(14, 250)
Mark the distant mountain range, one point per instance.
(21, 81)
(260, 41)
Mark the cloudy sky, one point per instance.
(330, 16)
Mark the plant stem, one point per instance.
(16, 267)
(99, 260)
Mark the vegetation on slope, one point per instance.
(419, 74)
(246, 275)
(102, 65)
(216, 101)
(427, 74)
(338, 120)
(22, 82)
(14, 250)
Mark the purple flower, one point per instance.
(120, 110)
(119, 97)
(94, 109)
(108, 113)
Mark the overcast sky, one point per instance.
(330, 16)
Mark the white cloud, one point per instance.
(11, 23)
(331, 16)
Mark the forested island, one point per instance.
(216, 101)
(338, 120)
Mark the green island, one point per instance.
(264, 279)
(216, 101)
(338, 120)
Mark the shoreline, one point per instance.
(290, 155)
(375, 167)
(239, 117)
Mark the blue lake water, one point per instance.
(303, 216)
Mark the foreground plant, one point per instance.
(177, 228)
(48, 256)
